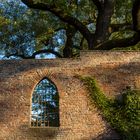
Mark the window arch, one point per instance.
(45, 105)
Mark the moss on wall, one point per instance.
(123, 115)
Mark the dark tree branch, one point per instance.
(77, 47)
(67, 51)
(117, 27)
(105, 11)
(46, 51)
(81, 43)
(35, 53)
(103, 21)
(120, 43)
(97, 3)
(108, 45)
(60, 14)
(135, 11)
(47, 41)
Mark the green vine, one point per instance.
(123, 115)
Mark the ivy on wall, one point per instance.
(123, 115)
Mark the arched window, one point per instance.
(45, 105)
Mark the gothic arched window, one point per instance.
(45, 105)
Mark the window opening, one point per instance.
(45, 105)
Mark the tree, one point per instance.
(105, 9)
(64, 27)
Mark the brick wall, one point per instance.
(79, 120)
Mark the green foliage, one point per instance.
(130, 48)
(23, 30)
(3, 21)
(123, 115)
(121, 34)
(122, 11)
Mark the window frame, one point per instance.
(58, 112)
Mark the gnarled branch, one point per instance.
(120, 43)
(97, 3)
(60, 14)
(108, 45)
(35, 53)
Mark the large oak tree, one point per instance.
(64, 27)
(99, 39)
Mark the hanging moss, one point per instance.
(124, 115)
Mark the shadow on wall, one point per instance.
(13, 67)
(39, 132)
(4, 105)
(116, 77)
(108, 136)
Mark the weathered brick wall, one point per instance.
(79, 120)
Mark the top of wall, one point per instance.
(86, 59)
(99, 57)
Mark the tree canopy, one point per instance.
(64, 27)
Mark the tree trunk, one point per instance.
(67, 51)
(126, 42)
(103, 21)
(136, 15)
(90, 42)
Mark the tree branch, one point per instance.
(135, 16)
(117, 27)
(35, 53)
(120, 43)
(103, 21)
(77, 47)
(67, 51)
(108, 45)
(46, 51)
(60, 14)
(97, 3)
